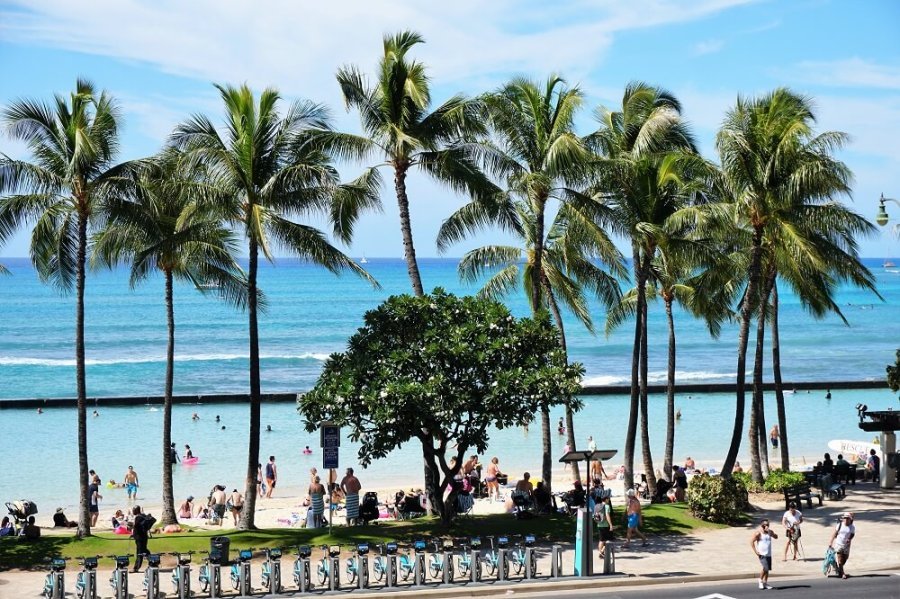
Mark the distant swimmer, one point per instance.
(827, 393)
(40, 410)
(96, 413)
(307, 450)
(678, 414)
(131, 483)
(268, 428)
(223, 427)
(561, 428)
(217, 418)
(195, 416)
(188, 454)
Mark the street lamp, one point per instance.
(882, 217)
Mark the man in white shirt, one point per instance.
(761, 543)
(840, 541)
(791, 522)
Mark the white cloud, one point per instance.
(851, 72)
(708, 47)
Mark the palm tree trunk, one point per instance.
(645, 418)
(755, 461)
(570, 420)
(536, 304)
(670, 395)
(631, 431)
(743, 337)
(84, 515)
(776, 377)
(409, 250)
(168, 513)
(249, 511)
(546, 458)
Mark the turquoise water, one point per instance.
(310, 315)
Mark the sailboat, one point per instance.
(363, 260)
(888, 264)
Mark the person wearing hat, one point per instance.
(840, 541)
(792, 520)
(761, 544)
(60, 520)
(633, 518)
(186, 510)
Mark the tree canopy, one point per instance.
(443, 370)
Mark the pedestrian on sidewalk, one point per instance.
(792, 520)
(840, 541)
(634, 518)
(761, 543)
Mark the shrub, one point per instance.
(717, 499)
(779, 479)
(747, 480)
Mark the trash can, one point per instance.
(218, 550)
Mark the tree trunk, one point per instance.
(645, 417)
(248, 514)
(433, 490)
(631, 431)
(84, 515)
(755, 405)
(570, 420)
(168, 513)
(743, 337)
(670, 394)
(536, 304)
(547, 458)
(776, 376)
(409, 249)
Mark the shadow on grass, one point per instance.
(30, 555)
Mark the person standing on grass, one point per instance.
(634, 518)
(761, 544)
(605, 526)
(792, 520)
(271, 476)
(840, 541)
(143, 523)
(351, 486)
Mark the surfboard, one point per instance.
(857, 449)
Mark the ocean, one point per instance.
(310, 315)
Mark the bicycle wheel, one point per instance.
(434, 567)
(490, 565)
(322, 572)
(463, 569)
(533, 564)
(378, 570)
(351, 573)
(518, 563)
(204, 583)
(405, 571)
(450, 568)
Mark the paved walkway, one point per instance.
(709, 555)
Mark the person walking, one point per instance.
(271, 476)
(236, 504)
(634, 518)
(840, 541)
(131, 483)
(761, 544)
(791, 521)
(140, 532)
(95, 497)
(351, 487)
(490, 479)
(605, 526)
(773, 436)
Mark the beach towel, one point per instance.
(351, 504)
(829, 562)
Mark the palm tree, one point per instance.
(158, 228)
(776, 171)
(62, 194)
(398, 128)
(647, 154)
(264, 170)
(539, 158)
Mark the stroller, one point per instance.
(20, 510)
(368, 511)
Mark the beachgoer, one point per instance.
(791, 520)
(174, 453)
(634, 518)
(217, 504)
(827, 393)
(60, 520)
(561, 428)
(186, 510)
(827, 464)
(218, 419)
(30, 532)
(597, 471)
(131, 483)
(236, 504)
(271, 475)
(96, 413)
(678, 414)
(260, 485)
(7, 528)
(543, 501)
(195, 416)
(738, 467)
(592, 446)
(317, 503)
(761, 544)
(307, 450)
(873, 466)
(188, 454)
(268, 428)
(605, 526)
(525, 486)
(841, 461)
(40, 410)
(840, 541)
(679, 482)
(773, 436)
(95, 497)
(118, 519)
(490, 479)
(351, 487)
(689, 463)
(143, 523)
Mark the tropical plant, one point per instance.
(538, 158)
(264, 170)
(63, 193)
(157, 227)
(442, 370)
(398, 128)
(893, 374)
(647, 174)
(717, 499)
(781, 180)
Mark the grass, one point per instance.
(659, 519)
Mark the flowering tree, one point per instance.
(443, 370)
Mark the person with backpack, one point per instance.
(840, 541)
(143, 524)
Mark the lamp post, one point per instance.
(882, 217)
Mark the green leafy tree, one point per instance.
(399, 129)
(893, 374)
(267, 168)
(157, 228)
(62, 193)
(442, 370)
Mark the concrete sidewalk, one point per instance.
(710, 555)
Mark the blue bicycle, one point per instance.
(303, 553)
(436, 565)
(323, 571)
(55, 581)
(353, 565)
(407, 562)
(86, 583)
(381, 566)
(240, 572)
(491, 558)
(518, 555)
(464, 561)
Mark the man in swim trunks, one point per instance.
(271, 476)
(95, 497)
(351, 486)
(131, 483)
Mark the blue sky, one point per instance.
(158, 58)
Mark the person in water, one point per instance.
(174, 453)
(268, 428)
(131, 483)
(307, 450)
(188, 454)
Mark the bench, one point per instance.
(797, 493)
(834, 490)
(845, 473)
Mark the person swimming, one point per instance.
(268, 428)
(188, 454)
(218, 419)
(307, 450)
(96, 413)
(195, 416)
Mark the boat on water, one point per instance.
(363, 260)
(888, 264)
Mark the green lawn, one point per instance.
(663, 519)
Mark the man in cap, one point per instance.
(840, 541)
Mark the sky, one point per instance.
(159, 58)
